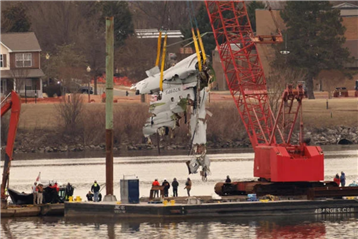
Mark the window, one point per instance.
(23, 59)
(1, 60)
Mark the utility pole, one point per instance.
(109, 108)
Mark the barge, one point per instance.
(116, 210)
(33, 210)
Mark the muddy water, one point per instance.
(82, 171)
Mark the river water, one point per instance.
(81, 171)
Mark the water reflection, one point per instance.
(309, 226)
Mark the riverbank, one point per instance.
(41, 129)
(319, 136)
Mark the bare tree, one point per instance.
(151, 14)
(277, 82)
(128, 62)
(70, 111)
(19, 77)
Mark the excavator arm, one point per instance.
(13, 102)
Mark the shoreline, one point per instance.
(340, 135)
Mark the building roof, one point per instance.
(154, 33)
(345, 6)
(352, 46)
(22, 73)
(20, 41)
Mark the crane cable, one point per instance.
(273, 18)
(163, 62)
(198, 33)
(197, 51)
(163, 51)
(159, 47)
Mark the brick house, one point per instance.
(20, 64)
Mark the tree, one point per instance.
(152, 14)
(123, 26)
(15, 19)
(66, 65)
(315, 38)
(205, 26)
(251, 9)
(129, 63)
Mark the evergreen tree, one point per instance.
(251, 8)
(205, 26)
(314, 37)
(123, 25)
(15, 19)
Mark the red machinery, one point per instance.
(13, 102)
(276, 159)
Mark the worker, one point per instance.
(40, 191)
(228, 180)
(175, 185)
(156, 183)
(188, 185)
(56, 187)
(337, 180)
(89, 196)
(343, 179)
(69, 191)
(166, 186)
(95, 189)
(34, 192)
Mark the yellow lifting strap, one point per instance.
(201, 46)
(196, 49)
(159, 47)
(163, 61)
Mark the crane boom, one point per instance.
(236, 44)
(13, 102)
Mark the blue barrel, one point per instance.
(129, 190)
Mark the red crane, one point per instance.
(276, 160)
(13, 102)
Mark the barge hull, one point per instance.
(217, 210)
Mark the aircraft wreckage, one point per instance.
(185, 94)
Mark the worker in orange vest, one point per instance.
(156, 183)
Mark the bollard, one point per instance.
(172, 202)
(119, 202)
(70, 199)
(165, 202)
(331, 115)
(327, 104)
(78, 199)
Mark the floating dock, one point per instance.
(33, 210)
(206, 210)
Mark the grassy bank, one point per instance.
(40, 124)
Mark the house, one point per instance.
(20, 64)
